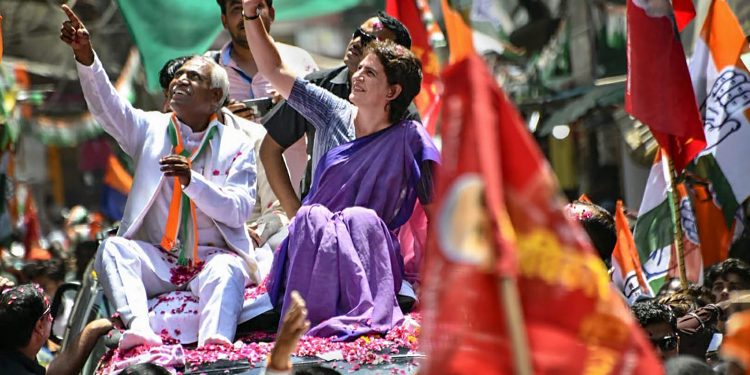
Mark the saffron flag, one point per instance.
(715, 236)
(417, 17)
(658, 91)
(499, 214)
(722, 88)
(32, 232)
(115, 188)
(460, 37)
(628, 275)
(654, 231)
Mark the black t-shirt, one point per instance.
(286, 126)
(15, 363)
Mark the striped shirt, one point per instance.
(332, 117)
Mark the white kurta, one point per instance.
(222, 187)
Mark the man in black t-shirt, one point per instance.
(285, 126)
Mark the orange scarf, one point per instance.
(181, 208)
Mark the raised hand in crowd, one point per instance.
(75, 34)
(294, 325)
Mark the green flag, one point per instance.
(288, 10)
(165, 29)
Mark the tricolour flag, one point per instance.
(417, 17)
(722, 88)
(498, 216)
(655, 234)
(628, 274)
(658, 91)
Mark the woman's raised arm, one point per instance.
(264, 50)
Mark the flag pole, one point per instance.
(674, 205)
(516, 328)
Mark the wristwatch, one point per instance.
(246, 18)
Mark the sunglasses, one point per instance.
(666, 343)
(363, 36)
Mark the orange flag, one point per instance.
(499, 214)
(715, 236)
(459, 34)
(412, 14)
(628, 274)
(585, 198)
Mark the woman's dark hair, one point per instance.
(402, 68)
(20, 308)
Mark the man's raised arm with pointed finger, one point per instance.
(193, 190)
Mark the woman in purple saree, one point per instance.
(342, 254)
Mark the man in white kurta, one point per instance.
(220, 181)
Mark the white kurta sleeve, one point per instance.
(114, 113)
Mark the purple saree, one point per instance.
(342, 254)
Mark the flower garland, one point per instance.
(366, 350)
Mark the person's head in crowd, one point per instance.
(687, 365)
(599, 225)
(687, 300)
(727, 276)
(316, 370)
(25, 319)
(389, 76)
(671, 286)
(166, 74)
(380, 27)
(199, 88)
(660, 325)
(231, 18)
(49, 274)
(145, 369)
